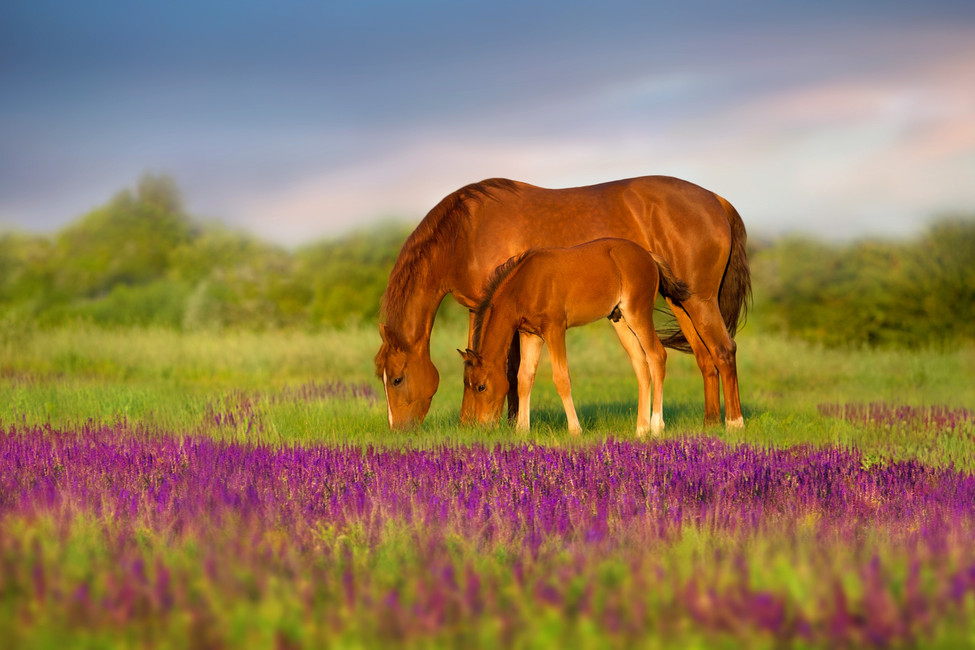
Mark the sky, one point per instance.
(299, 121)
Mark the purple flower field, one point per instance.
(882, 414)
(114, 535)
(247, 409)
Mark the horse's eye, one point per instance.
(397, 381)
(481, 388)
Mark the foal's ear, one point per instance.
(467, 355)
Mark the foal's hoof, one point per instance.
(656, 425)
(654, 433)
(735, 425)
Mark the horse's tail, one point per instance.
(735, 293)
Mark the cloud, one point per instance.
(878, 147)
(404, 182)
(876, 151)
(842, 129)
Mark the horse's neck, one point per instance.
(415, 324)
(413, 314)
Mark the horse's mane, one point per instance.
(491, 287)
(438, 231)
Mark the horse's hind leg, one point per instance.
(555, 338)
(706, 364)
(531, 350)
(709, 325)
(638, 359)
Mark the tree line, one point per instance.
(914, 293)
(142, 260)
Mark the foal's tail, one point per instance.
(670, 285)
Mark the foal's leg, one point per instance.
(711, 328)
(706, 364)
(531, 349)
(657, 360)
(555, 338)
(638, 317)
(638, 359)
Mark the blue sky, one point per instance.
(301, 120)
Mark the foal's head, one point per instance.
(485, 387)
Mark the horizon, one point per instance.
(376, 226)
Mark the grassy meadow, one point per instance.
(168, 381)
(240, 489)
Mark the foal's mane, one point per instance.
(433, 237)
(491, 287)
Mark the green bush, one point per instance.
(161, 302)
(873, 293)
(142, 260)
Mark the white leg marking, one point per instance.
(656, 423)
(389, 409)
(737, 423)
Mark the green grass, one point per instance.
(172, 382)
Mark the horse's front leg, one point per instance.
(531, 350)
(512, 371)
(467, 403)
(560, 375)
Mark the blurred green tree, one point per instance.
(128, 241)
(875, 293)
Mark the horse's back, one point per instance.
(683, 223)
(660, 213)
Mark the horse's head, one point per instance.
(409, 379)
(485, 387)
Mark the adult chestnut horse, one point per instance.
(538, 295)
(472, 231)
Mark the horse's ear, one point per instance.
(390, 337)
(467, 355)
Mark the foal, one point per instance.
(545, 291)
